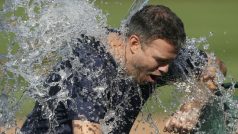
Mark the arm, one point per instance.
(85, 127)
(185, 119)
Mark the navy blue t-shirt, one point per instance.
(98, 90)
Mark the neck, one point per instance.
(117, 48)
(120, 51)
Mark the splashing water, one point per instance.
(136, 6)
(45, 34)
(40, 37)
(212, 116)
(220, 111)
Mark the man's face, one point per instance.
(152, 60)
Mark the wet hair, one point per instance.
(157, 22)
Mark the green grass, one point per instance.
(200, 18)
(3, 44)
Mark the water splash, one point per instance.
(188, 89)
(44, 34)
(136, 6)
(40, 35)
(194, 90)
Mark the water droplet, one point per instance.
(211, 34)
(206, 46)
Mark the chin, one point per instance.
(147, 80)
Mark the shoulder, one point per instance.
(88, 49)
(87, 65)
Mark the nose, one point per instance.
(164, 68)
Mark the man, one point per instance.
(107, 87)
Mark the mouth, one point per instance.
(154, 77)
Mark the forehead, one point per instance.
(161, 48)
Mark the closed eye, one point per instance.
(163, 61)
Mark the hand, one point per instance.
(86, 127)
(209, 75)
(209, 78)
(184, 120)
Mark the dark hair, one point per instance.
(157, 21)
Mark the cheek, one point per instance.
(153, 65)
(139, 61)
(148, 64)
(144, 62)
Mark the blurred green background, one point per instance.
(200, 18)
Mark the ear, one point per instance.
(134, 42)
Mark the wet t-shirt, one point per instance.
(98, 90)
(89, 85)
